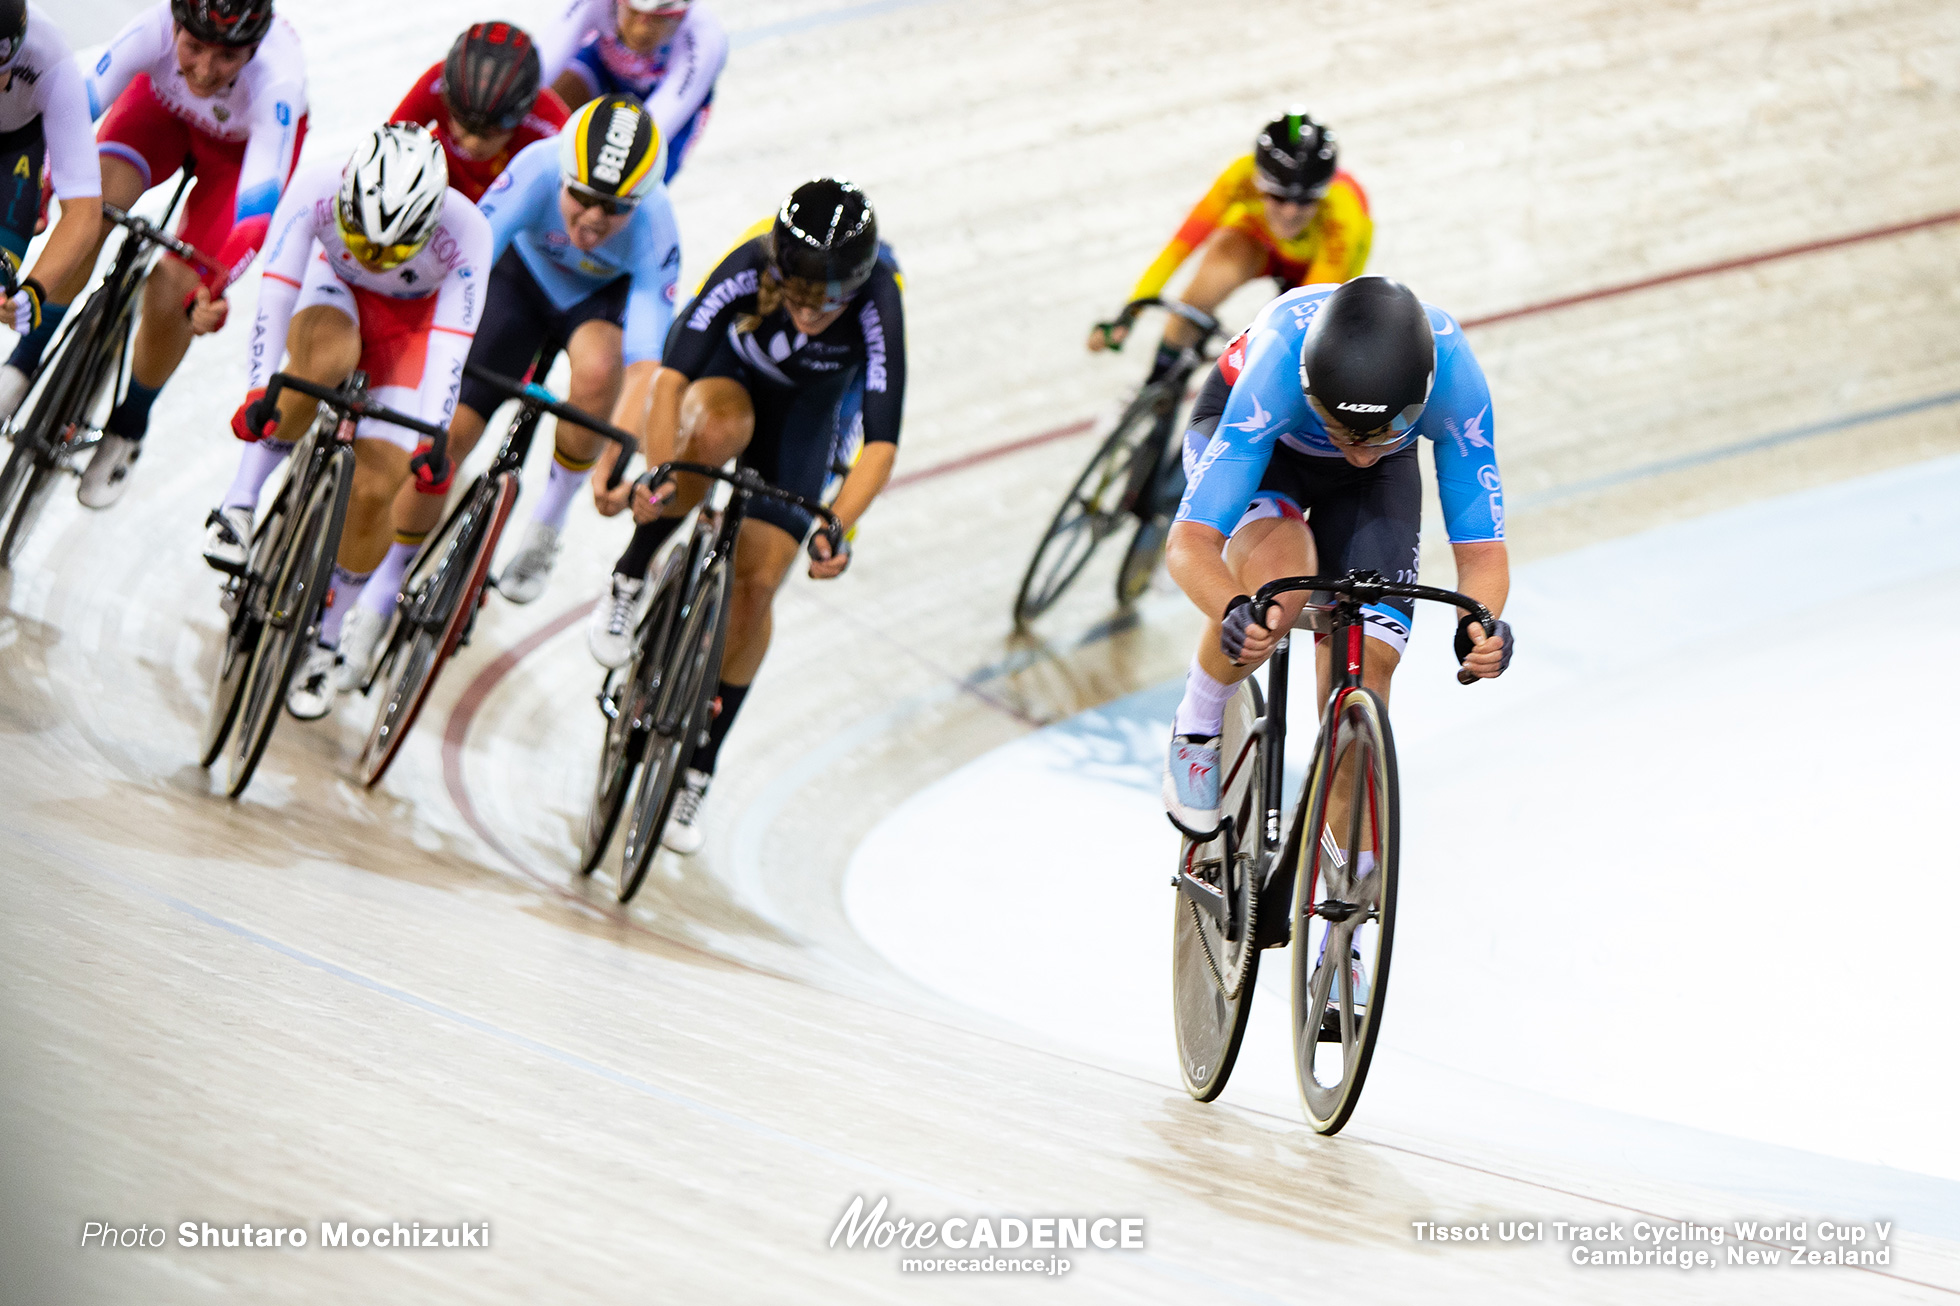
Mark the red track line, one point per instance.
(1489, 319)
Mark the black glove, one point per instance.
(1500, 628)
(433, 471)
(834, 537)
(1239, 619)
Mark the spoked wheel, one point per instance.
(80, 372)
(1096, 506)
(1214, 962)
(246, 610)
(1344, 907)
(439, 595)
(291, 616)
(680, 709)
(627, 699)
(14, 478)
(1154, 529)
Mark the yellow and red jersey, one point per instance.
(1333, 248)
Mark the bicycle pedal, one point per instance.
(236, 570)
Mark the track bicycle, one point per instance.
(1137, 473)
(273, 603)
(658, 706)
(84, 372)
(445, 585)
(1328, 887)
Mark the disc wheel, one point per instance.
(1095, 507)
(439, 595)
(1344, 907)
(246, 616)
(1215, 965)
(680, 709)
(291, 615)
(627, 701)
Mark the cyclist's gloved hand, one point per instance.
(830, 553)
(1109, 335)
(432, 474)
(648, 497)
(1240, 621)
(26, 305)
(256, 418)
(1500, 635)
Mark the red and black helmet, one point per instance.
(491, 77)
(224, 22)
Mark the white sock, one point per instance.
(1202, 710)
(255, 467)
(379, 595)
(555, 504)
(346, 584)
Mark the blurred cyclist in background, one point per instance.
(665, 53)
(43, 122)
(485, 102)
(1284, 211)
(222, 83)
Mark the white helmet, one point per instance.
(391, 194)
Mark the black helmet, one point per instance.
(1295, 157)
(491, 77)
(223, 22)
(827, 233)
(13, 29)
(1368, 360)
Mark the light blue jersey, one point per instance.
(1267, 409)
(522, 206)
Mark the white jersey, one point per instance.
(305, 245)
(263, 107)
(674, 81)
(44, 82)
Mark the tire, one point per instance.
(1095, 507)
(440, 593)
(1213, 975)
(679, 709)
(291, 614)
(242, 631)
(32, 469)
(1334, 915)
(628, 710)
(1153, 526)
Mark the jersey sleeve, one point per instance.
(1347, 234)
(134, 49)
(518, 200)
(700, 49)
(656, 281)
(1458, 421)
(459, 307)
(882, 319)
(562, 37)
(1265, 401)
(74, 167)
(293, 230)
(1198, 224)
(422, 104)
(728, 292)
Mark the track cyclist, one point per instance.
(784, 329)
(43, 121)
(378, 266)
(221, 82)
(585, 260)
(485, 102)
(664, 53)
(1302, 446)
(1284, 211)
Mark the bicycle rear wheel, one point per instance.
(1344, 906)
(679, 711)
(1094, 508)
(1214, 963)
(627, 712)
(291, 615)
(439, 594)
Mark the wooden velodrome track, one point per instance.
(322, 1003)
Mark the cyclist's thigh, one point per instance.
(517, 322)
(793, 452)
(764, 553)
(1230, 260)
(1371, 519)
(22, 152)
(593, 349)
(723, 408)
(212, 205)
(394, 354)
(1272, 540)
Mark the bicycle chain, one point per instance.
(1211, 963)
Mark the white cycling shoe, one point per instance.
(529, 570)
(311, 696)
(107, 475)
(359, 634)
(227, 538)
(683, 833)
(610, 633)
(13, 389)
(1191, 785)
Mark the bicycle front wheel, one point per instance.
(627, 712)
(79, 372)
(439, 593)
(1214, 962)
(1344, 906)
(291, 616)
(245, 611)
(1094, 508)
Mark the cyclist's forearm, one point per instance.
(1483, 571)
(864, 481)
(70, 244)
(1194, 555)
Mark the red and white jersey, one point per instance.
(262, 107)
(454, 267)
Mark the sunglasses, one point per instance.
(815, 296)
(372, 254)
(1342, 434)
(587, 198)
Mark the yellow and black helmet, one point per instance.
(611, 153)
